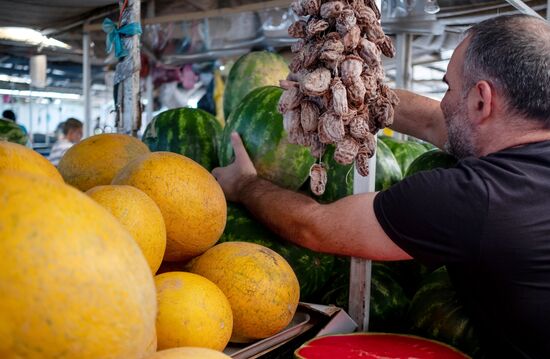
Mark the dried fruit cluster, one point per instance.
(335, 92)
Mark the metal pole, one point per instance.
(149, 83)
(524, 8)
(360, 271)
(131, 107)
(404, 68)
(86, 84)
(548, 10)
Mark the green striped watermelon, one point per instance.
(340, 177)
(388, 301)
(312, 269)
(431, 160)
(405, 152)
(191, 132)
(11, 132)
(437, 312)
(253, 70)
(387, 166)
(260, 125)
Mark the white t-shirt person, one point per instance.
(72, 131)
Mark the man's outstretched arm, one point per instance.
(421, 117)
(346, 227)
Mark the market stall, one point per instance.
(172, 81)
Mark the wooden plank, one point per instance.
(197, 15)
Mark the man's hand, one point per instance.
(233, 177)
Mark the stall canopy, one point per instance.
(225, 32)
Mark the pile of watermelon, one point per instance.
(405, 296)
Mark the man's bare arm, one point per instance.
(347, 227)
(421, 117)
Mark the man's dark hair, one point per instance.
(71, 124)
(513, 53)
(9, 115)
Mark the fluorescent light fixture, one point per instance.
(46, 94)
(29, 36)
(14, 79)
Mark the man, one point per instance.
(72, 133)
(487, 219)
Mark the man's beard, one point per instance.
(460, 140)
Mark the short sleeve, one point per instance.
(436, 216)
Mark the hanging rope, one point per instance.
(115, 34)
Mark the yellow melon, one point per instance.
(139, 214)
(20, 158)
(97, 159)
(73, 282)
(189, 197)
(189, 353)
(192, 311)
(259, 283)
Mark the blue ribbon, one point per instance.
(114, 36)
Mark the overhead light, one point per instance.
(29, 36)
(14, 79)
(46, 94)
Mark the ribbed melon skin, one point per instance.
(313, 269)
(191, 132)
(250, 71)
(260, 126)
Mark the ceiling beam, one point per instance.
(197, 15)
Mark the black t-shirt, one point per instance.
(488, 221)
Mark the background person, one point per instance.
(72, 133)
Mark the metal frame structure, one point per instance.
(360, 277)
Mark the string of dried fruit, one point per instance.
(335, 92)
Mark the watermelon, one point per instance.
(404, 151)
(376, 345)
(387, 166)
(250, 71)
(11, 132)
(409, 274)
(312, 269)
(340, 178)
(388, 301)
(191, 132)
(260, 125)
(431, 160)
(436, 311)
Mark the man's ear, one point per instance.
(481, 102)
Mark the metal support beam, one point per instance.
(403, 68)
(524, 8)
(87, 84)
(404, 65)
(360, 271)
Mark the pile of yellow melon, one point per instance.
(81, 245)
